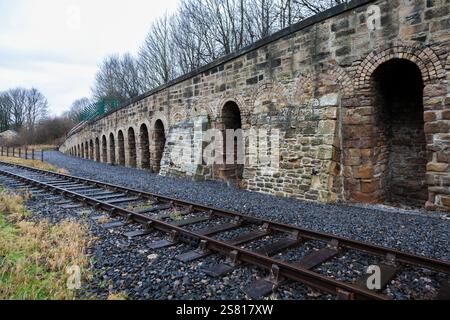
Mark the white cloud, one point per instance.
(56, 45)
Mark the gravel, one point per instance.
(418, 232)
(130, 266)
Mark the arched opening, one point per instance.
(399, 154)
(159, 137)
(91, 150)
(78, 151)
(121, 141)
(112, 149)
(231, 122)
(97, 149)
(104, 150)
(86, 150)
(132, 147)
(82, 150)
(145, 147)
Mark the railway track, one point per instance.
(205, 228)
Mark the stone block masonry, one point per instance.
(359, 96)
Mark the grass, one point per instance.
(176, 215)
(118, 296)
(34, 164)
(34, 257)
(144, 206)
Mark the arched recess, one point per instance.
(78, 151)
(159, 143)
(145, 146)
(91, 150)
(104, 149)
(86, 150)
(112, 149)
(269, 97)
(97, 149)
(82, 150)
(121, 144)
(132, 148)
(230, 122)
(381, 150)
(423, 57)
(400, 156)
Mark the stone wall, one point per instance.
(314, 85)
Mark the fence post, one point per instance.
(20, 152)
(14, 152)
(26, 153)
(32, 154)
(7, 151)
(42, 155)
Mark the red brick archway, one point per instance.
(369, 140)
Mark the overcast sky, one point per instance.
(56, 45)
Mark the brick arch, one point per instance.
(132, 147)
(269, 91)
(341, 77)
(366, 137)
(121, 153)
(112, 138)
(178, 115)
(159, 134)
(303, 90)
(200, 107)
(304, 87)
(144, 145)
(425, 59)
(226, 98)
(159, 117)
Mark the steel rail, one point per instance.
(287, 270)
(401, 257)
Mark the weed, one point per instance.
(34, 256)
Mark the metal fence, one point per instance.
(24, 153)
(98, 109)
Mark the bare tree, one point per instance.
(156, 55)
(200, 32)
(5, 111)
(307, 8)
(77, 108)
(118, 79)
(106, 84)
(17, 99)
(36, 108)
